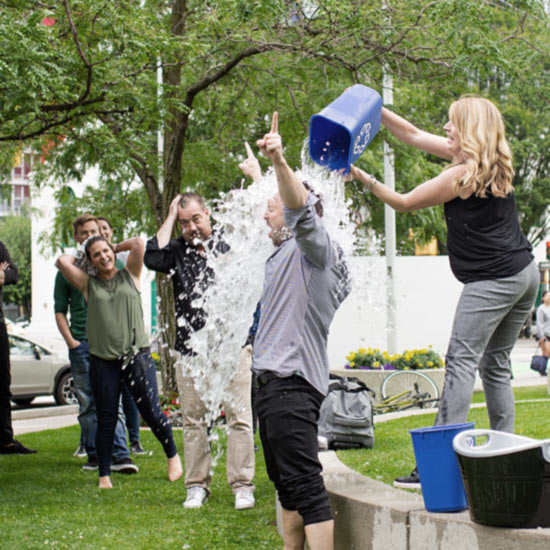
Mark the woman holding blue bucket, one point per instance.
(487, 252)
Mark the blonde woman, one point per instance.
(487, 252)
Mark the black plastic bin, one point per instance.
(506, 478)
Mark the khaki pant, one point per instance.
(240, 438)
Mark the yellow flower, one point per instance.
(362, 351)
(430, 364)
(376, 363)
(352, 364)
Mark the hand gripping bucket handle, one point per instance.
(482, 443)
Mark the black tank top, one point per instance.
(484, 238)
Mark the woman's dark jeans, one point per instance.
(131, 413)
(140, 376)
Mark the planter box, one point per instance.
(373, 378)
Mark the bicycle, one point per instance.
(402, 390)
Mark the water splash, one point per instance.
(239, 274)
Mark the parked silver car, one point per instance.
(37, 371)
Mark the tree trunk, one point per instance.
(166, 324)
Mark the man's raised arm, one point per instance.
(291, 190)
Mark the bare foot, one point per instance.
(105, 482)
(175, 470)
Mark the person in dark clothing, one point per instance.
(8, 445)
(487, 252)
(185, 260)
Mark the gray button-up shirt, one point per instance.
(306, 279)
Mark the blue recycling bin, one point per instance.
(442, 487)
(340, 133)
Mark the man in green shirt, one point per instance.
(69, 300)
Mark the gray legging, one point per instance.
(487, 322)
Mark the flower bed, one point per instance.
(374, 359)
(171, 408)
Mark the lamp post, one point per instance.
(389, 226)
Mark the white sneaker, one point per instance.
(244, 499)
(196, 497)
(80, 451)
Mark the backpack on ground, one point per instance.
(346, 416)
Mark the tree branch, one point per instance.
(82, 55)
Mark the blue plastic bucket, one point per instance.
(438, 469)
(340, 133)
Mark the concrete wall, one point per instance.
(369, 515)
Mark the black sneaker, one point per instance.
(91, 465)
(15, 448)
(137, 449)
(124, 466)
(412, 481)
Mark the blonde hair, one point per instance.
(484, 150)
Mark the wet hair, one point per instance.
(319, 203)
(186, 198)
(92, 240)
(81, 220)
(100, 218)
(485, 151)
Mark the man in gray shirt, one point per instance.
(306, 279)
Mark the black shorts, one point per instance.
(288, 411)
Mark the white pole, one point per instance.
(389, 227)
(160, 137)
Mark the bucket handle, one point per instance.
(463, 440)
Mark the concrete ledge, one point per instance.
(39, 412)
(370, 515)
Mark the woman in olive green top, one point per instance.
(119, 346)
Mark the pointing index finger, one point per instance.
(275, 123)
(249, 152)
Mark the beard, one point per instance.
(280, 234)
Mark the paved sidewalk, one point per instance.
(37, 419)
(520, 357)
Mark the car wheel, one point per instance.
(64, 392)
(23, 402)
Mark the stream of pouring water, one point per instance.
(230, 302)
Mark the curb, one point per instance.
(59, 410)
(369, 514)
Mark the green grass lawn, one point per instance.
(47, 501)
(393, 455)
